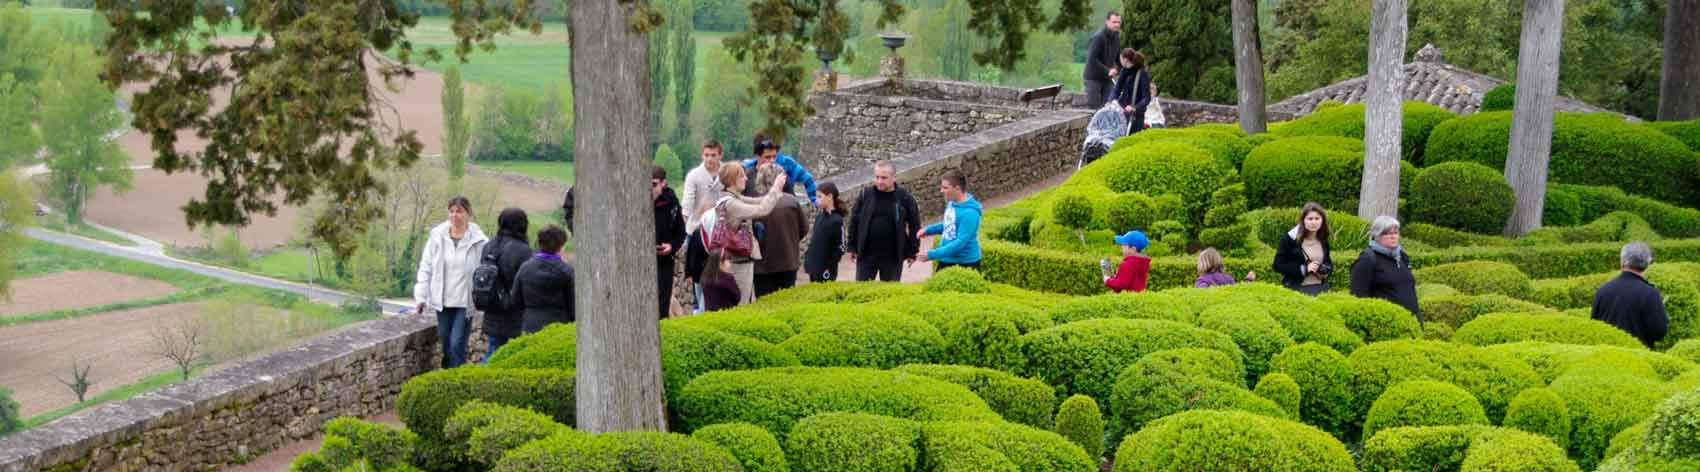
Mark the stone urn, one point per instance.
(893, 40)
(891, 66)
(826, 57)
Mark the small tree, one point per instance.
(178, 342)
(79, 383)
(16, 213)
(668, 160)
(9, 420)
(79, 112)
(457, 131)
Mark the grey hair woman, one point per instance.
(1383, 270)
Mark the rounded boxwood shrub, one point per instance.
(975, 445)
(1281, 389)
(1258, 335)
(1077, 207)
(871, 339)
(1374, 319)
(1231, 440)
(1675, 428)
(859, 292)
(958, 280)
(1130, 210)
(1423, 403)
(1080, 420)
(1552, 359)
(1142, 305)
(686, 352)
(427, 401)
(1020, 400)
(617, 452)
(776, 398)
(1501, 98)
(1426, 291)
(1419, 120)
(487, 431)
(1603, 401)
(1464, 448)
(1561, 208)
(1478, 277)
(1228, 147)
(980, 330)
(1494, 380)
(1686, 131)
(1085, 356)
(1587, 149)
(1326, 385)
(755, 448)
(1687, 349)
(1539, 411)
(1500, 328)
(1169, 168)
(740, 322)
(553, 347)
(1323, 169)
(939, 309)
(854, 442)
(350, 443)
(1455, 310)
(1162, 384)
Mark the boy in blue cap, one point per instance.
(1135, 265)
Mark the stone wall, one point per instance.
(235, 414)
(852, 130)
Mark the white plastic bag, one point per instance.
(1107, 125)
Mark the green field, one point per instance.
(557, 171)
(55, 223)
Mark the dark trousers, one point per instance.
(1097, 92)
(975, 266)
(453, 328)
(495, 342)
(774, 281)
(887, 268)
(664, 285)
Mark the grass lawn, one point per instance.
(42, 258)
(556, 171)
(145, 385)
(55, 223)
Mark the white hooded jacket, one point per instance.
(431, 282)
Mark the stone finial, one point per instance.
(1429, 53)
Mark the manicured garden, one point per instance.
(1031, 367)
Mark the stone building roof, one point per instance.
(1429, 79)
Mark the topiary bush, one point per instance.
(1020, 400)
(1479, 277)
(1686, 131)
(1423, 403)
(1168, 382)
(1493, 380)
(686, 352)
(1484, 207)
(1500, 328)
(1501, 98)
(1668, 219)
(1455, 310)
(854, 442)
(1374, 319)
(1228, 147)
(10, 421)
(1587, 149)
(427, 401)
(957, 280)
(1281, 389)
(1561, 208)
(1348, 121)
(1081, 422)
(1085, 356)
(870, 339)
(1169, 168)
(1551, 360)
(352, 444)
(1142, 305)
(1539, 411)
(1464, 448)
(755, 448)
(1672, 434)
(1250, 326)
(1323, 169)
(1603, 401)
(776, 398)
(746, 323)
(553, 347)
(1688, 349)
(1326, 379)
(616, 452)
(985, 445)
(1231, 440)
(487, 431)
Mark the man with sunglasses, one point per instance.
(669, 235)
(767, 152)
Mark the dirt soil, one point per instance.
(78, 289)
(115, 342)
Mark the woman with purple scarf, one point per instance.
(543, 290)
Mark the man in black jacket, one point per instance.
(669, 235)
(511, 250)
(883, 224)
(1629, 301)
(1102, 60)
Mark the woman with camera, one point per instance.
(1302, 259)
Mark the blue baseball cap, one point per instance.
(1133, 238)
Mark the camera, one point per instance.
(1324, 269)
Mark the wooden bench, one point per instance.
(1048, 91)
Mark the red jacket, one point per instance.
(1131, 275)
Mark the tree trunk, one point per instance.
(1531, 126)
(619, 342)
(1248, 67)
(1679, 86)
(1383, 120)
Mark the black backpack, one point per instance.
(487, 293)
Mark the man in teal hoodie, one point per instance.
(960, 227)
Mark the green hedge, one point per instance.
(1085, 356)
(1501, 98)
(1552, 360)
(1305, 318)
(1603, 401)
(747, 323)
(1453, 311)
(956, 280)
(1281, 389)
(1322, 169)
(1168, 168)
(951, 446)
(1326, 385)
(1260, 338)
(854, 442)
(487, 431)
(1231, 440)
(1228, 148)
(1423, 403)
(776, 398)
(869, 339)
(860, 292)
(553, 347)
(1668, 219)
(1670, 440)
(1463, 448)
(1539, 411)
(1438, 197)
(1146, 305)
(686, 352)
(350, 443)
(1080, 420)
(1678, 283)
(1562, 207)
(1442, 237)
(1374, 319)
(1169, 382)
(1686, 131)
(755, 448)
(1020, 400)
(1587, 149)
(1494, 380)
(1501, 328)
(980, 330)
(1419, 120)
(619, 452)
(1687, 349)
(428, 400)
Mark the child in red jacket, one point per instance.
(1135, 266)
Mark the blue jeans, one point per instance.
(453, 328)
(496, 342)
(698, 288)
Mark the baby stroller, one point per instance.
(1106, 126)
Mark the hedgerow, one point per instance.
(1501, 328)
(1085, 356)
(755, 448)
(1168, 382)
(1478, 277)
(1587, 149)
(1493, 380)
(1019, 400)
(1463, 448)
(1423, 403)
(776, 398)
(1231, 440)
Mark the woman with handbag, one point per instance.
(1302, 258)
(731, 232)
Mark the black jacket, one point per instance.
(1291, 262)
(1377, 276)
(512, 252)
(1102, 54)
(567, 210)
(695, 255)
(544, 293)
(669, 225)
(1133, 88)
(908, 223)
(825, 244)
(1632, 304)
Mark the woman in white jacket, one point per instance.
(444, 282)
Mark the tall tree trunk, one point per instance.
(619, 347)
(1383, 120)
(1531, 126)
(1248, 67)
(1679, 86)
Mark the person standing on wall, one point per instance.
(444, 280)
(782, 243)
(669, 235)
(960, 227)
(883, 225)
(1101, 61)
